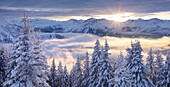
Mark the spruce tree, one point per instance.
(78, 74)
(105, 69)
(72, 76)
(122, 76)
(60, 75)
(36, 53)
(93, 78)
(119, 60)
(85, 77)
(3, 66)
(53, 75)
(106, 49)
(166, 73)
(159, 66)
(11, 59)
(136, 67)
(121, 57)
(150, 65)
(25, 71)
(66, 82)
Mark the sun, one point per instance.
(118, 17)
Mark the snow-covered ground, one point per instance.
(75, 44)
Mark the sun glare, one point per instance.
(118, 17)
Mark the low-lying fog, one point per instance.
(76, 44)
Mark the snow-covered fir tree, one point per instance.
(136, 67)
(106, 49)
(66, 82)
(166, 80)
(60, 75)
(37, 51)
(25, 69)
(150, 66)
(53, 75)
(105, 69)
(77, 74)
(3, 65)
(72, 75)
(121, 57)
(159, 66)
(85, 77)
(167, 70)
(93, 78)
(122, 76)
(11, 58)
(119, 61)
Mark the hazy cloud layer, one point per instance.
(46, 8)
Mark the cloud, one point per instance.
(86, 8)
(42, 13)
(126, 5)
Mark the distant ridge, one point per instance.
(153, 28)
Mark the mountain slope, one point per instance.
(102, 26)
(94, 26)
(154, 28)
(8, 31)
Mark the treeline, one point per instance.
(26, 66)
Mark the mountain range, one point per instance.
(153, 28)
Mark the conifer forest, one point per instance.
(26, 66)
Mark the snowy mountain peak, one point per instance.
(102, 27)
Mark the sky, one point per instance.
(118, 10)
